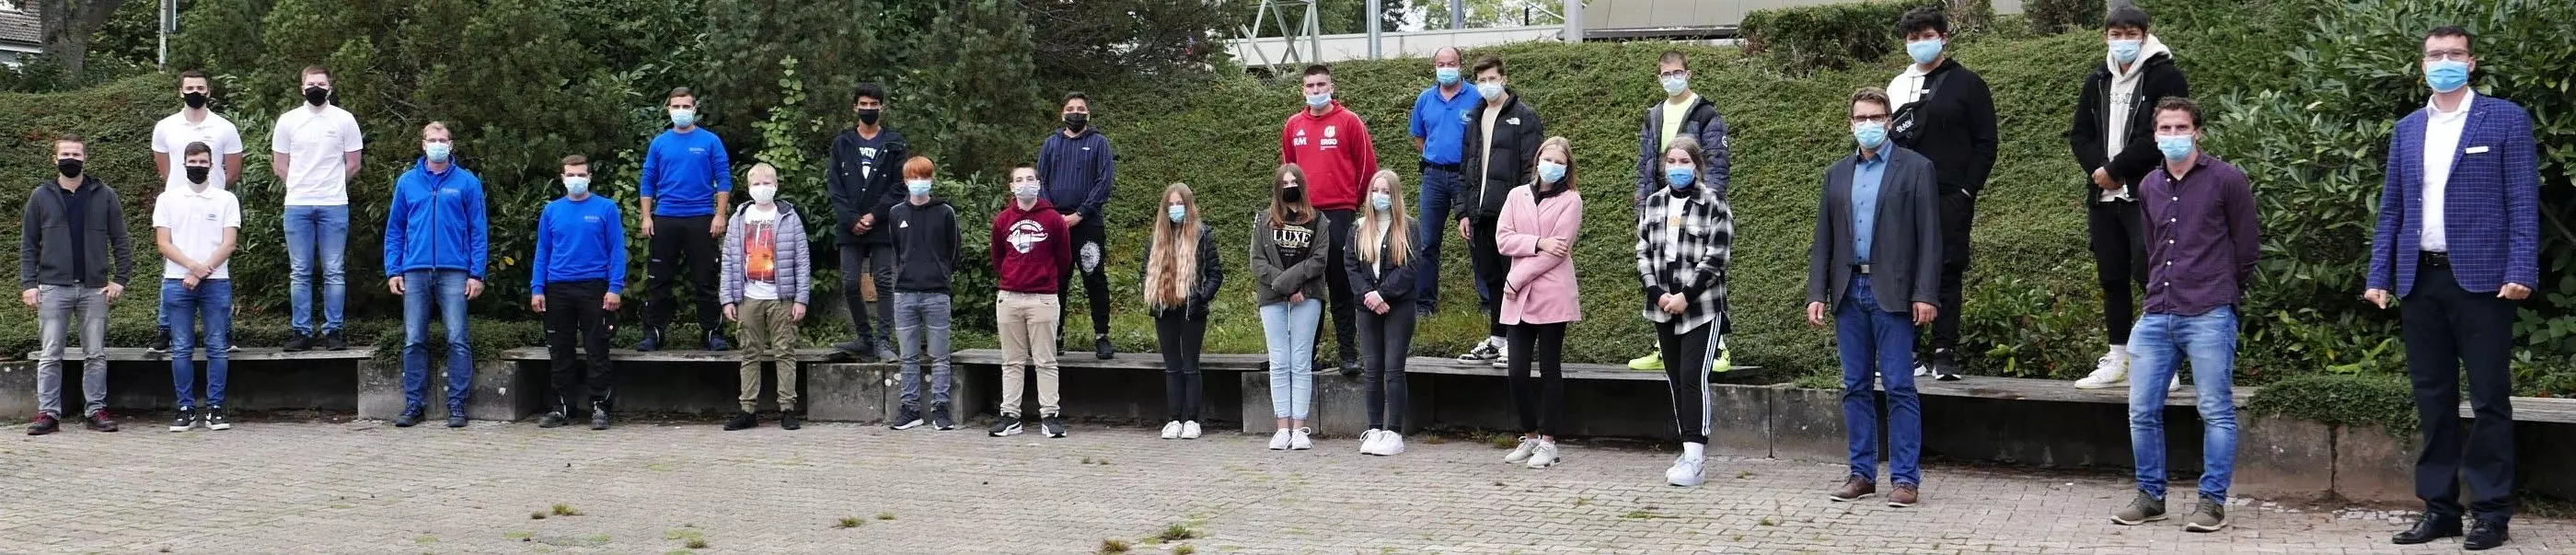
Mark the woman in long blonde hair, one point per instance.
(1290, 259)
(1181, 278)
(1381, 267)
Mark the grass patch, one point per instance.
(536, 515)
(518, 535)
(561, 509)
(424, 540)
(1766, 521)
(1184, 550)
(683, 534)
(1114, 546)
(888, 515)
(1642, 514)
(695, 543)
(1176, 532)
(849, 522)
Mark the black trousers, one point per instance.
(2119, 232)
(1686, 359)
(872, 324)
(1385, 339)
(1485, 257)
(2445, 328)
(677, 241)
(1090, 252)
(1958, 214)
(576, 317)
(1184, 389)
(1544, 346)
(1339, 303)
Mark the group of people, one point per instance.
(1889, 252)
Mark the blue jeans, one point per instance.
(921, 326)
(446, 290)
(1438, 187)
(211, 302)
(317, 233)
(2157, 345)
(1290, 332)
(1879, 342)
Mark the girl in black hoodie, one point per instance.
(1180, 282)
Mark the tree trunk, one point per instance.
(68, 26)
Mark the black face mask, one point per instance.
(869, 115)
(70, 167)
(1076, 121)
(1292, 194)
(196, 100)
(197, 174)
(316, 95)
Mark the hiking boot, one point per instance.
(410, 417)
(217, 419)
(1104, 350)
(789, 420)
(335, 340)
(939, 419)
(160, 343)
(652, 340)
(1906, 495)
(187, 419)
(716, 342)
(2144, 509)
(2207, 516)
(1854, 489)
(299, 343)
(44, 424)
(599, 416)
(1008, 426)
(907, 418)
(1052, 425)
(99, 422)
(554, 419)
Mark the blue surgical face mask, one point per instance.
(1680, 177)
(918, 187)
(1924, 51)
(1869, 134)
(1550, 172)
(438, 152)
(2175, 147)
(576, 186)
(1176, 212)
(1674, 85)
(2446, 75)
(1489, 89)
(2125, 50)
(1381, 202)
(1319, 100)
(1447, 75)
(684, 118)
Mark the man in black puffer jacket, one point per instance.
(1501, 150)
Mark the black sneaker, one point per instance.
(410, 417)
(1105, 351)
(299, 343)
(742, 421)
(907, 418)
(1008, 426)
(187, 419)
(554, 419)
(335, 340)
(598, 416)
(456, 418)
(857, 350)
(939, 419)
(99, 422)
(44, 424)
(716, 342)
(160, 343)
(1945, 365)
(652, 340)
(788, 420)
(1053, 425)
(1350, 365)
(217, 420)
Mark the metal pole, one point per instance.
(1375, 13)
(1457, 14)
(1314, 33)
(1573, 21)
(169, 24)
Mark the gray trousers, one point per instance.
(54, 307)
(921, 321)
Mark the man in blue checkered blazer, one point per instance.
(2459, 241)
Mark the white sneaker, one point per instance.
(1190, 430)
(1503, 361)
(1299, 442)
(1685, 471)
(1390, 443)
(1521, 454)
(1921, 370)
(2112, 370)
(2176, 388)
(1172, 430)
(1369, 441)
(1544, 456)
(1279, 440)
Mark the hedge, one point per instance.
(1830, 36)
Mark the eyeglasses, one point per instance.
(2446, 55)
(1870, 118)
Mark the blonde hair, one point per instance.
(1174, 269)
(1397, 233)
(758, 169)
(1283, 212)
(1559, 144)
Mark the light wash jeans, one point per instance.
(317, 235)
(2157, 346)
(54, 307)
(1290, 332)
(446, 290)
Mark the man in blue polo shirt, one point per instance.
(579, 277)
(435, 252)
(1439, 131)
(686, 192)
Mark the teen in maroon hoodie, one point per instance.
(1333, 147)
(1031, 251)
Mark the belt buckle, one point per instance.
(1862, 269)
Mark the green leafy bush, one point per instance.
(1831, 36)
(2058, 16)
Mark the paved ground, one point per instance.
(367, 487)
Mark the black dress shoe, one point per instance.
(2485, 534)
(2428, 528)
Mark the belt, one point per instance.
(2436, 259)
(1451, 168)
(1860, 269)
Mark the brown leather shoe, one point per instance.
(1854, 489)
(1906, 495)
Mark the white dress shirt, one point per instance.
(2442, 132)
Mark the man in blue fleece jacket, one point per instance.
(686, 190)
(578, 281)
(435, 252)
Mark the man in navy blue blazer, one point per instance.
(2459, 241)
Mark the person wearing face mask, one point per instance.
(579, 279)
(1944, 112)
(436, 248)
(1181, 276)
(2203, 241)
(195, 123)
(1332, 145)
(1030, 251)
(1288, 287)
(925, 252)
(865, 179)
(2459, 240)
(685, 194)
(1685, 235)
(766, 284)
(1439, 127)
(196, 229)
(1875, 268)
(2114, 143)
(317, 149)
(1682, 114)
(1502, 147)
(74, 256)
(1076, 169)
(1537, 231)
(1382, 266)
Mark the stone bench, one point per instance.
(259, 379)
(1600, 399)
(1128, 388)
(699, 382)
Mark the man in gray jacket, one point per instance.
(72, 233)
(1877, 264)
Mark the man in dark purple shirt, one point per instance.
(2201, 242)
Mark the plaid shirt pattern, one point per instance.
(1692, 262)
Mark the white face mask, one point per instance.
(764, 193)
(1025, 192)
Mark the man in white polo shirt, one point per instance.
(196, 123)
(317, 146)
(196, 228)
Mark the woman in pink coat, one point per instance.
(1536, 231)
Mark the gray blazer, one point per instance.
(1906, 254)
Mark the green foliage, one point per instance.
(2351, 400)
(1831, 36)
(2057, 16)
(1079, 40)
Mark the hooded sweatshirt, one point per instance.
(1334, 150)
(437, 222)
(1030, 248)
(925, 245)
(1077, 172)
(2114, 127)
(1958, 123)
